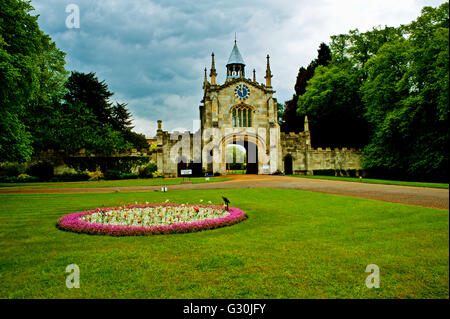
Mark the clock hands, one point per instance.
(242, 92)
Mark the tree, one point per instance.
(332, 98)
(121, 117)
(406, 96)
(42, 114)
(88, 117)
(280, 113)
(19, 49)
(138, 141)
(291, 121)
(357, 48)
(87, 89)
(334, 108)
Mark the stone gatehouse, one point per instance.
(244, 112)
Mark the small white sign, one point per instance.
(186, 172)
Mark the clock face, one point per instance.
(242, 92)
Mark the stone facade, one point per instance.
(243, 111)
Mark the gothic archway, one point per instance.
(254, 146)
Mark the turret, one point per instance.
(205, 80)
(269, 75)
(213, 72)
(235, 65)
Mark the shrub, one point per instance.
(43, 170)
(25, 178)
(147, 170)
(8, 170)
(324, 172)
(157, 175)
(94, 176)
(71, 177)
(112, 174)
(22, 178)
(128, 176)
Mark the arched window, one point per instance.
(242, 116)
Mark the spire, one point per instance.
(213, 72)
(254, 75)
(235, 65)
(235, 56)
(306, 129)
(269, 75)
(205, 81)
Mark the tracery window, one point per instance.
(242, 116)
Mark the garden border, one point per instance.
(73, 222)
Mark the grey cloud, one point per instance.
(152, 53)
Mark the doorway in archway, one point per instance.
(288, 165)
(181, 164)
(241, 157)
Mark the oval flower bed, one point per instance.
(150, 219)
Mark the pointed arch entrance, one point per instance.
(253, 146)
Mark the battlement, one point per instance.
(337, 150)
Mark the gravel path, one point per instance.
(418, 196)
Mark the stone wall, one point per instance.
(64, 163)
(305, 159)
(176, 146)
(340, 160)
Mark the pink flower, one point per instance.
(74, 222)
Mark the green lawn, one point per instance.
(375, 181)
(295, 244)
(120, 183)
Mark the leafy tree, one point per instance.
(357, 48)
(406, 96)
(42, 114)
(387, 89)
(280, 113)
(138, 141)
(334, 108)
(87, 89)
(88, 117)
(121, 121)
(291, 121)
(332, 99)
(236, 156)
(19, 49)
(121, 117)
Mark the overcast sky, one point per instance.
(152, 53)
